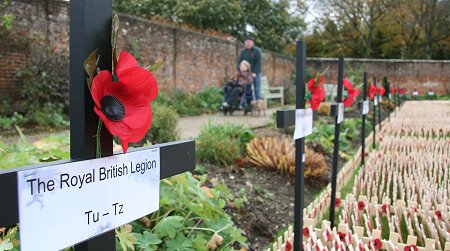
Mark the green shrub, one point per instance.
(47, 115)
(164, 125)
(222, 144)
(7, 123)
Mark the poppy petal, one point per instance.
(125, 62)
(100, 82)
(141, 81)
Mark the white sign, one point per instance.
(430, 93)
(62, 205)
(341, 110)
(375, 101)
(380, 98)
(390, 96)
(303, 123)
(365, 108)
(415, 93)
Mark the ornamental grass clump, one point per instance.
(278, 153)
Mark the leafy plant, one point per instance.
(324, 109)
(278, 153)
(16, 119)
(189, 218)
(222, 144)
(8, 239)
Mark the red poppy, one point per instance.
(317, 92)
(341, 236)
(438, 214)
(402, 91)
(288, 246)
(361, 205)
(123, 104)
(392, 90)
(338, 202)
(306, 232)
(411, 248)
(377, 244)
(351, 93)
(384, 208)
(381, 90)
(372, 91)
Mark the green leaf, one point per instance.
(180, 243)
(90, 66)
(169, 226)
(6, 245)
(146, 240)
(114, 32)
(154, 67)
(200, 243)
(126, 238)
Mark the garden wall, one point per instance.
(192, 60)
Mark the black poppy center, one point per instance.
(112, 108)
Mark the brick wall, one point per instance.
(422, 75)
(192, 60)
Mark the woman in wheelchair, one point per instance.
(235, 86)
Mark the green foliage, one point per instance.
(222, 144)
(323, 137)
(164, 125)
(44, 88)
(188, 104)
(6, 19)
(188, 218)
(24, 153)
(7, 122)
(273, 25)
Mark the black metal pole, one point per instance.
(299, 148)
(363, 127)
(374, 116)
(90, 28)
(336, 143)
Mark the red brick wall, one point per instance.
(422, 75)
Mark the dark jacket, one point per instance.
(253, 56)
(240, 79)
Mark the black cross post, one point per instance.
(363, 127)
(90, 28)
(380, 99)
(388, 90)
(286, 118)
(335, 112)
(374, 115)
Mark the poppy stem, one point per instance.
(97, 137)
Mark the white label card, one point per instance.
(79, 200)
(341, 111)
(430, 93)
(375, 101)
(390, 96)
(365, 108)
(415, 93)
(303, 123)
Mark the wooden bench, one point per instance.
(268, 92)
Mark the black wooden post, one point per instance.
(388, 89)
(363, 127)
(299, 148)
(336, 141)
(374, 115)
(90, 29)
(380, 99)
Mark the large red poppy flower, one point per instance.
(123, 104)
(372, 91)
(381, 90)
(317, 92)
(351, 93)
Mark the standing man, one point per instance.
(252, 54)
